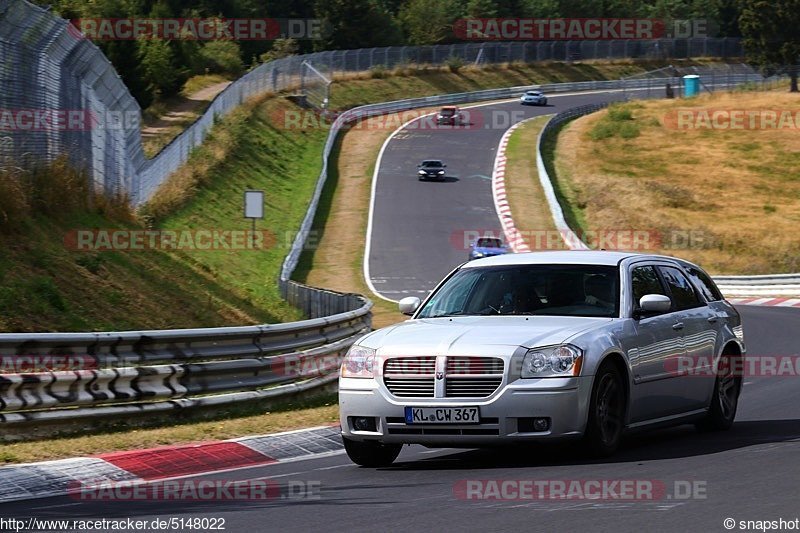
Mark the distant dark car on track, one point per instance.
(431, 168)
(450, 115)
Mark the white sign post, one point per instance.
(254, 209)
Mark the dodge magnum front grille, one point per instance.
(458, 387)
(462, 376)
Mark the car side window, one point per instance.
(683, 295)
(704, 284)
(645, 281)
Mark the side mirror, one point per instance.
(654, 303)
(444, 166)
(409, 305)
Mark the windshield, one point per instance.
(554, 290)
(447, 111)
(488, 242)
(431, 164)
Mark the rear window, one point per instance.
(703, 283)
(683, 294)
(487, 242)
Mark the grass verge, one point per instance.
(526, 198)
(727, 197)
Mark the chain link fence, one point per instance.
(50, 74)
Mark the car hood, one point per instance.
(468, 335)
(493, 251)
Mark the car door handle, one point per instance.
(712, 319)
(677, 326)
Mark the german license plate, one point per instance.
(442, 415)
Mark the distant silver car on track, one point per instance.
(543, 346)
(533, 98)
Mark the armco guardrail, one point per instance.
(121, 373)
(731, 286)
(763, 285)
(50, 67)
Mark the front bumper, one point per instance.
(564, 400)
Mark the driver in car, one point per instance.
(599, 291)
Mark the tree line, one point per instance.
(153, 68)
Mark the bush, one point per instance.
(454, 63)
(280, 48)
(601, 130)
(628, 130)
(619, 113)
(221, 57)
(404, 68)
(377, 72)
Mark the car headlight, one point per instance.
(421, 172)
(359, 363)
(477, 254)
(552, 361)
(441, 172)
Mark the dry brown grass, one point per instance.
(738, 190)
(54, 190)
(525, 195)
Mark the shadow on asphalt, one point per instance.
(673, 443)
(446, 179)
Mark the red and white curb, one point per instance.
(776, 302)
(58, 478)
(513, 236)
(501, 206)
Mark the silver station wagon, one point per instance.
(541, 346)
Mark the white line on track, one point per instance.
(403, 126)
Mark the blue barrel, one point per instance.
(691, 85)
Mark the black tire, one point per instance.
(606, 420)
(371, 453)
(725, 398)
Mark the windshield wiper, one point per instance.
(444, 315)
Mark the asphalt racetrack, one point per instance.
(419, 228)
